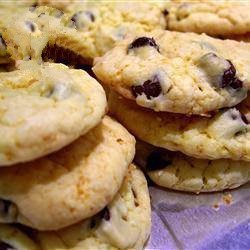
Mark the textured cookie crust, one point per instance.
(45, 107)
(123, 224)
(212, 17)
(12, 238)
(177, 72)
(70, 185)
(87, 30)
(177, 171)
(224, 135)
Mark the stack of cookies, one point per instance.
(184, 96)
(88, 180)
(66, 178)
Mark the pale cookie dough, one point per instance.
(177, 72)
(45, 107)
(223, 135)
(12, 238)
(70, 185)
(87, 30)
(213, 17)
(177, 171)
(123, 224)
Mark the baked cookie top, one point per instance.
(70, 185)
(122, 224)
(45, 107)
(216, 18)
(177, 72)
(226, 134)
(87, 30)
(13, 238)
(177, 171)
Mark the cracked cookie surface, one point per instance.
(177, 72)
(226, 134)
(212, 17)
(177, 171)
(35, 99)
(123, 224)
(70, 185)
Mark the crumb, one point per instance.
(216, 206)
(227, 199)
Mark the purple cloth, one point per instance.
(189, 221)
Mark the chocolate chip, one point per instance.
(92, 223)
(5, 206)
(239, 115)
(144, 41)
(34, 5)
(90, 15)
(165, 12)
(30, 25)
(236, 83)
(229, 78)
(158, 159)
(2, 42)
(244, 119)
(42, 14)
(151, 88)
(76, 18)
(5, 246)
(228, 75)
(105, 214)
(221, 72)
(8, 210)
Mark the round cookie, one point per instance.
(70, 185)
(123, 224)
(226, 134)
(223, 18)
(12, 238)
(177, 72)
(77, 37)
(177, 171)
(35, 99)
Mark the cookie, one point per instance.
(70, 185)
(177, 171)
(225, 134)
(35, 99)
(177, 72)
(123, 224)
(12, 238)
(211, 17)
(84, 32)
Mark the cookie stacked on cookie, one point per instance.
(63, 161)
(71, 164)
(179, 92)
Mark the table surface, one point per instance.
(205, 221)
